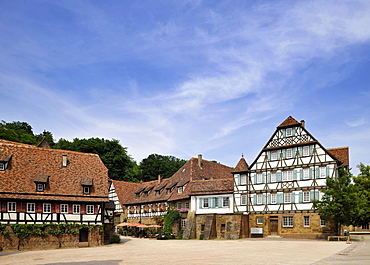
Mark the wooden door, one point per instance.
(273, 227)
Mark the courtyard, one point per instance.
(244, 251)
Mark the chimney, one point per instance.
(303, 123)
(160, 179)
(200, 160)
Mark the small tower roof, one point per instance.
(242, 165)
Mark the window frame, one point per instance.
(322, 172)
(289, 132)
(274, 155)
(30, 207)
(2, 166)
(11, 207)
(46, 207)
(225, 202)
(322, 222)
(179, 205)
(259, 199)
(288, 221)
(75, 207)
(273, 198)
(40, 187)
(205, 203)
(243, 179)
(306, 173)
(90, 209)
(259, 220)
(86, 190)
(259, 178)
(64, 207)
(273, 177)
(306, 196)
(289, 153)
(305, 150)
(187, 205)
(183, 222)
(179, 189)
(287, 195)
(306, 221)
(243, 200)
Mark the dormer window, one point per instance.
(2, 166)
(179, 189)
(86, 189)
(41, 181)
(157, 193)
(4, 160)
(40, 187)
(86, 184)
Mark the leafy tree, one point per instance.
(155, 165)
(22, 132)
(340, 202)
(120, 165)
(362, 182)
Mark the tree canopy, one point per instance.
(115, 157)
(156, 164)
(346, 198)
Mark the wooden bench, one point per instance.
(347, 238)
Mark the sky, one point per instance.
(184, 78)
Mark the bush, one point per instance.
(201, 236)
(115, 239)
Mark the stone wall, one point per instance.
(11, 242)
(314, 230)
(227, 226)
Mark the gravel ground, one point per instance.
(145, 251)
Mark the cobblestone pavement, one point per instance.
(244, 251)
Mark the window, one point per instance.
(259, 220)
(30, 207)
(306, 221)
(179, 190)
(243, 200)
(2, 166)
(259, 198)
(225, 202)
(287, 175)
(215, 202)
(86, 189)
(306, 150)
(205, 203)
(289, 132)
(273, 198)
(243, 179)
(289, 153)
(186, 205)
(306, 173)
(12, 206)
(168, 191)
(179, 205)
(40, 187)
(46, 208)
(287, 197)
(306, 196)
(273, 155)
(90, 209)
(287, 221)
(273, 177)
(76, 208)
(146, 194)
(259, 178)
(322, 222)
(183, 222)
(322, 172)
(64, 208)
(157, 192)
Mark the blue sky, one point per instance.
(191, 77)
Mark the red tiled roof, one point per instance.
(187, 174)
(29, 162)
(215, 186)
(342, 154)
(290, 121)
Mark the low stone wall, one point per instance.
(11, 242)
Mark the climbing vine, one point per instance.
(169, 218)
(3, 229)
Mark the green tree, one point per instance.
(120, 165)
(155, 165)
(22, 132)
(362, 183)
(340, 202)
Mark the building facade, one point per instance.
(40, 185)
(277, 190)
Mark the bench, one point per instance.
(347, 238)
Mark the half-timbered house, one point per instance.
(288, 174)
(40, 185)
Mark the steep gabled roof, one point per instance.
(30, 163)
(290, 121)
(214, 186)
